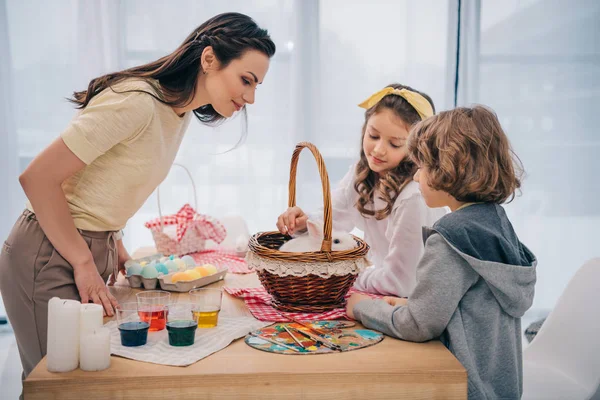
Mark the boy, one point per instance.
(475, 279)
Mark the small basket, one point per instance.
(311, 292)
(191, 242)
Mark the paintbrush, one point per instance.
(273, 341)
(320, 339)
(293, 337)
(320, 332)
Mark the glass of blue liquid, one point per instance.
(134, 331)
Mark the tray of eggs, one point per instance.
(171, 273)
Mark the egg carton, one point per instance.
(166, 284)
(164, 281)
(137, 281)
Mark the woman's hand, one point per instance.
(292, 220)
(352, 301)
(91, 287)
(395, 301)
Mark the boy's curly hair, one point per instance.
(467, 155)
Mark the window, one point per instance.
(539, 69)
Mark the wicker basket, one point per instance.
(309, 293)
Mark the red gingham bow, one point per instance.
(207, 227)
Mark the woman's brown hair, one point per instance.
(467, 155)
(391, 184)
(229, 35)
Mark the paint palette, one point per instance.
(340, 333)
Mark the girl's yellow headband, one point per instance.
(420, 103)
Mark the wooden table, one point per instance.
(392, 369)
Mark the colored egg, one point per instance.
(171, 257)
(180, 264)
(213, 269)
(206, 269)
(210, 268)
(193, 274)
(180, 277)
(171, 266)
(134, 269)
(143, 263)
(189, 261)
(149, 271)
(161, 268)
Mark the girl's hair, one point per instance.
(467, 155)
(392, 183)
(229, 34)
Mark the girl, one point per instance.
(476, 279)
(86, 184)
(378, 195)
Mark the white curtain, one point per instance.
(60, 45)
(98, 36)
(9, 164)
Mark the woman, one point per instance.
(86, 184)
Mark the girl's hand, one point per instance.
(352, 301)
(91, 287)
(292, 220)
(395, 301)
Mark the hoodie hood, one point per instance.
(485, 238)
(512, 285)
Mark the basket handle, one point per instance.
(327, 226)
(162, 227)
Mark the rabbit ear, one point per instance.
(315, 229)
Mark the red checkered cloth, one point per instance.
(259, 303)
(221, 258)
(206, 227)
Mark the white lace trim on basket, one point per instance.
(296, 268)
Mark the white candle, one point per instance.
(94, 350)
(63, 335)
(91, 318)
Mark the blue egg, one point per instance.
(149, 271)
(134, 269)
(171, 257)
(161, 268)
(189, 261)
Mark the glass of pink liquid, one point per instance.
(153, 308)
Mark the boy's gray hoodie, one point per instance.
(474, 282)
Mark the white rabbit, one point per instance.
(312, 240)
(241, 243)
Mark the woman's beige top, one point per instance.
(128, 141)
